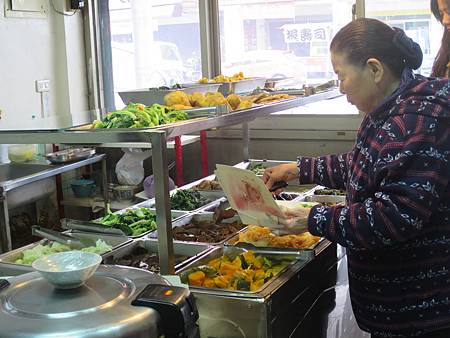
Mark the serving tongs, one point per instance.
(72, 242)
(73, 224)
(232, 251)
(223, 212)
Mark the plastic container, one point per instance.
(124, 192)
(21, 152)
(83, 188)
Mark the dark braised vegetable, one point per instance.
(206, 231)
(187, 200)
(143, 259)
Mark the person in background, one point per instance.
(441, 66)
(396, 221)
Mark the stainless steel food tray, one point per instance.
(70, 155)
(296, 262)
(88, 127)
(192, 250)
(149, 96)
(115, 241)
(212, 198)
(203, 216)
(241, 87)
(176, 214)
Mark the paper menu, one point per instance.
(249, 196)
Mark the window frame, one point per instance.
(98, 53)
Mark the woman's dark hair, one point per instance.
(443, 56)
(365, 38)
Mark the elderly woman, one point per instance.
(441, 10)
(396, 222)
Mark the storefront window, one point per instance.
(415, 19)
(281, 39)
(154, 43)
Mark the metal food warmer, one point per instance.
(114, 302)
(272, 311)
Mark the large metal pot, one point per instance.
(115, 302)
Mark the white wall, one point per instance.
(47, 48)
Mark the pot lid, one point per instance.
(32, 307)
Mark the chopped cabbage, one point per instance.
(99, 248)
(30, 255)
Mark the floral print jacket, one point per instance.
(396, 222)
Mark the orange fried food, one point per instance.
(234, 100)
(262, 236)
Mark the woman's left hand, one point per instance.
(294, 221)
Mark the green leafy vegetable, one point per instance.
(137, 115)
(133, 222)
(258, 169)
(187, 199)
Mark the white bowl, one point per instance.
(68, 270)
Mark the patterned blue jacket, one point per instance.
(396, 222)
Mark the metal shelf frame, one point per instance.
(156, 138)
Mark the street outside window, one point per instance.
(154, 43)
(281, 39)
(417, 22)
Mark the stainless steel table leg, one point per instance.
(5, 231)
(105, 184)
(163, 215)
(246, 140)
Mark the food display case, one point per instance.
(272, 311)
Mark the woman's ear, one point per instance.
(376, 69)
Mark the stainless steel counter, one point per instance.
(156, 138)
(14, 175)
(23, 183)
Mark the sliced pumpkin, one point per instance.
(209, 283)
(196, 278)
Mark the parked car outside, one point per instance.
(269, 64)
(166, 68)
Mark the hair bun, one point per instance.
(409, 48)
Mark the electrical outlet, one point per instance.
(42, 86)
(76, 4)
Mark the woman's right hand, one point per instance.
(283, 172)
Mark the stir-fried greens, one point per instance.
(133, 222)
(187, 199)
(137, 115)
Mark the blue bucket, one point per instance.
(83, 188)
